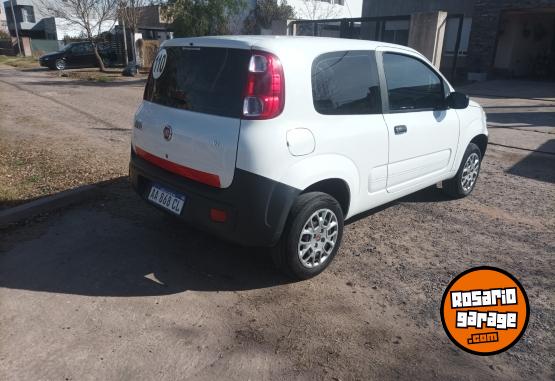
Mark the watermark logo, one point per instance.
(159, 64)
(485, 310)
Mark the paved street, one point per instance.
(113, 289)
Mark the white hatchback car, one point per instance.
(275, 141)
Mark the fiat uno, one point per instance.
(276, 141)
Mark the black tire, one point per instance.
(60, 64)
(286, 255)
(455, 187)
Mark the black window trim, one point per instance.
(372, 54)
(148, 95)
(383, 83)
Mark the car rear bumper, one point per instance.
(256, 207)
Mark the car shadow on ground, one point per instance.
(537, 165)
(117, 245)
(118, 82)
(429, 194)
(34, 69)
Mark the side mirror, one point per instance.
(457, 101)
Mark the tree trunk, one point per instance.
(98, 58)
(95, 48)
(134, 47)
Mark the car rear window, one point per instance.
(346, 82)
(200, 79)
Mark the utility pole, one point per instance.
(122, 17)
(126, 60)
(15, 26)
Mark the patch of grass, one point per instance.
(19, 62)
(29, 170)
(33, 178)
(102, 78)
(92, 75)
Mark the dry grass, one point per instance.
(95, 75)
(29, 172)
(92, 75)
(19, 62)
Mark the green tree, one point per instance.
(202, 17)
(264, 13)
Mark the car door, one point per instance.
(89, 59)
(346, 93)
(423, 132)
(71, 57)
(75, 56)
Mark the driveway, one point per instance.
(114, 289)
(520, 113)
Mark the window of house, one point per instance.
(411, 84)
(27, 14)
(450, 37)
(396, 32)
(346, 83)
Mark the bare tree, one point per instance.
(318, 10)
(130, 13)
(91, 15)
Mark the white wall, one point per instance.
(3, 22)
(64, 28)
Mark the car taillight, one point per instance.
(265, 89)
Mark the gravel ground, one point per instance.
(115, 289)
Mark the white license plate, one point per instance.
(166, 199)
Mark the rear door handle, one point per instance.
(402, 129)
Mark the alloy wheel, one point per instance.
(318, 238)
(470, 172)
(60, 64)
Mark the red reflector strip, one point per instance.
(218, 215)
(181, 170)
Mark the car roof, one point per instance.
(307, 44)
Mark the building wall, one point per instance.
(26, 28)
(485, 27)
(516, 53)
(380, 8)
(3, 21)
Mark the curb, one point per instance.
(47, 204)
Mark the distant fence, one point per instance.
(7, 47)
(40, 47)
(147, 49)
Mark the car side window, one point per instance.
(78, 49)
(411, 84)
(346, 83)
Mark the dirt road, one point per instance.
(58, 133)
(114, 289)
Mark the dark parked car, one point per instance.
(77, 54)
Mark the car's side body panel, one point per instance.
(279, 158)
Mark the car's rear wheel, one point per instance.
(60, 64)
(464, 181)
(312, 236)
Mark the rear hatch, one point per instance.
(190, 119)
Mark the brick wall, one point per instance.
(485, 24)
